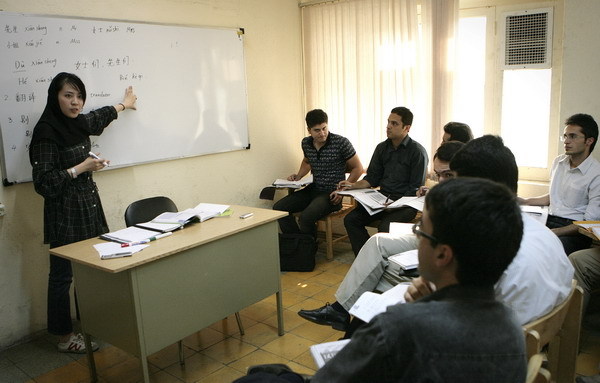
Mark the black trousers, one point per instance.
(59, 301)
(570, 243)
(313, 205)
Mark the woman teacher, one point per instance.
(62, 173)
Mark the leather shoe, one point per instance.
(327, 316)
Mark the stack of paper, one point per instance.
(130, 234)
(110, 250)
(407, 260)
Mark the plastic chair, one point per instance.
(145, 210)
(559, 329)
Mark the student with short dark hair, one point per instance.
(457, 131)
(328, 156)
(398, 167)
(574, 184)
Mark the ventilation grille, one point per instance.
(528, 39)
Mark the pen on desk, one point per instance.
(96, 157)
(159, 236)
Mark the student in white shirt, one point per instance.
(574, 184)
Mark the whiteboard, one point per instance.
(190, 83)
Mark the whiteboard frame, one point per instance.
(240, 31)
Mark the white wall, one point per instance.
(581, 59)
(275, 115)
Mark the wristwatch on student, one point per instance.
(73, 172)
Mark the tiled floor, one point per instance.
(219, 353)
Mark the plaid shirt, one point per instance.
(72, 208)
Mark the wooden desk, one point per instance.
(179, 284)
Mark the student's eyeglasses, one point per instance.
(416, 229)
(570, 137)
(445, 175)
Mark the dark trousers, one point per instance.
(570, 243)
(312, 204)
(59, 301)
(358, 218)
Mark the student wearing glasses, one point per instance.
(574, 184)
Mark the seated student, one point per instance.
(398, 168)
(328, 156)
(470, 232)
(537, 280)
(457, 131)
(574, 184)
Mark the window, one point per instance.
(504, 82)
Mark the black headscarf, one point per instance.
(53, 125)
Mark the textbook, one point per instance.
(201, 213)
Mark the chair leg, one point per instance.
(181, 356)
(329, 237)
(239, 322)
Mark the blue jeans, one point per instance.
(313, 205)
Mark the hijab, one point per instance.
(53, 125)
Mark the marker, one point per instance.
(96, 157)
(247, 215)
(159, 236)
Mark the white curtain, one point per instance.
(364, 57)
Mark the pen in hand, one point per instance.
(93, 155)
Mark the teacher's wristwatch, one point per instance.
(73, 172)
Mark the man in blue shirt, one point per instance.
(328, 156)
(398, 167)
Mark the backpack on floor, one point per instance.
(297, 252)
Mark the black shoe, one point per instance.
(327, 316)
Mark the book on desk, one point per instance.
(168, 222)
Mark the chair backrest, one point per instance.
(559, 329)
(535, 372)
(146, 209)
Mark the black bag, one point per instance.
(297, 252)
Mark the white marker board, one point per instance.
(190, 83)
